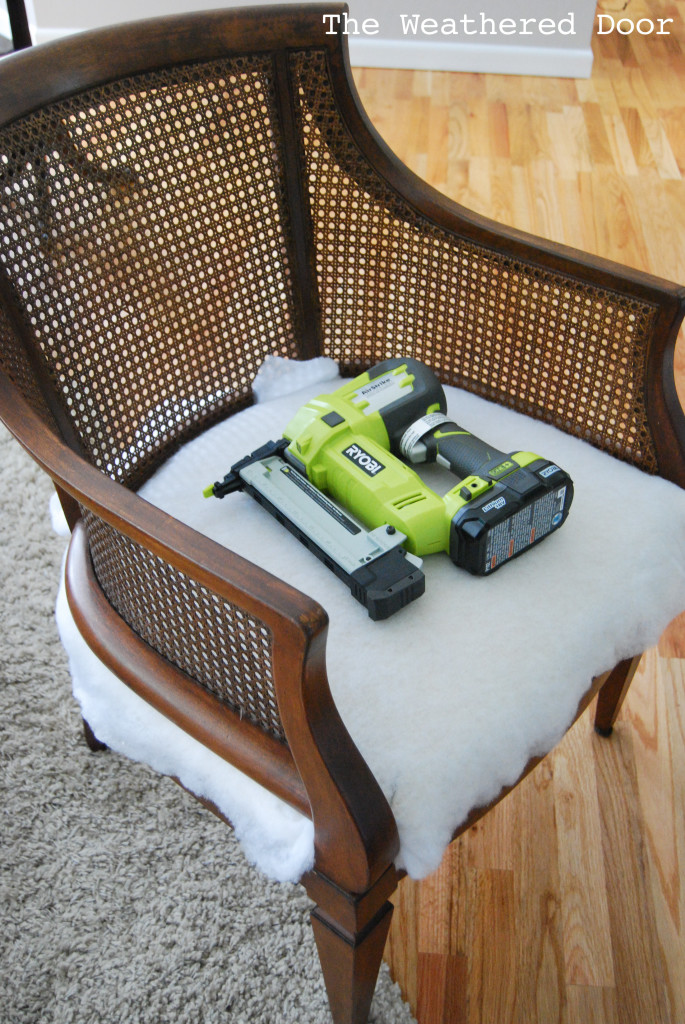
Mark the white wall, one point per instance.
(545, 37)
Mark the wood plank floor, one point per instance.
(567, 903)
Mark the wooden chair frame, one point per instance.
(318, 768)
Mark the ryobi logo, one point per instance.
(362, 459)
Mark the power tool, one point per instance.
(340, 479)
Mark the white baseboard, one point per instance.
(48, 35)
(487, 58)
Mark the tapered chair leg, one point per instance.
(613, 693)
(351, 963)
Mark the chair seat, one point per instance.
(448, 699)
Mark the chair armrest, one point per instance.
(193, 708)
(355, 832)
(560, 335)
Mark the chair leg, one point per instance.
(350, 932)
(613, 693)
(351, 963)
(91, 739)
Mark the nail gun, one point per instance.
(341, 480)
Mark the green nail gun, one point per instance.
(341, 480)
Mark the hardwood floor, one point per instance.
(567, 903)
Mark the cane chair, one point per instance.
(180, 198)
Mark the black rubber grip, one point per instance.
(464, 452)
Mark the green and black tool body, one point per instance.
(341, 480)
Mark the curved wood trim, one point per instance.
(232, 577)
(67, 66)
(169, 690)
(664, 412)
(438, 208)
(345, 796)
(356, 837)
(56, 70)
(355, 832)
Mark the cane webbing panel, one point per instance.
(222, 647)
(391, 282)
(144, 227)
(14, 363)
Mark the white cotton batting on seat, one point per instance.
(448, 699)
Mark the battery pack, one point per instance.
(514, 515)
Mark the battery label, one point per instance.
(518, 532)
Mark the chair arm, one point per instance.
(355, 832)
(158, 681)
(558, 334)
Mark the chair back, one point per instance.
(181, 197)
(150, 240)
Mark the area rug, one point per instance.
(122, 899)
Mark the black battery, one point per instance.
(516, 513)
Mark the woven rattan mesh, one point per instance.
(144, 227)
(222, 647)
(15, 364)
(390, 282)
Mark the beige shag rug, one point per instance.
(122, 899)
